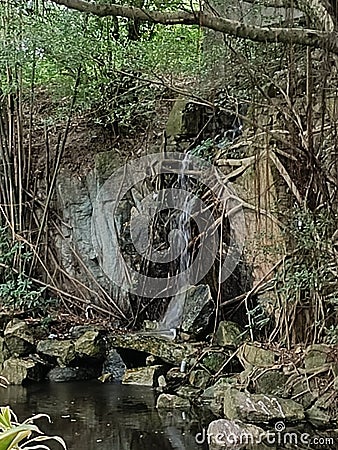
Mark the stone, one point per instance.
(198, 307)
(234, 435)
(214, 361)
(79, 330)
(229, 334)
(90, 345)
(142, 376)
(271, 382)
(316, 356)
(61, 351)
(21, 370)
(4, 354)
(199, 378)
(335, 384)
(165, 349)
(114, 366)
(189, 392)
(213, 396)
(259, 408)
(64, 374)
(168, 401)
(18, 338)
(318, 416)
(251, 355)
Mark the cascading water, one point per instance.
(173, 316)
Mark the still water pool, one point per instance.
(95, 416)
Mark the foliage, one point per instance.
(306, 284)
(16, 289)
(16, 436)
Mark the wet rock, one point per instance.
(64, 374)
(271, 382)
(18, 338)
(142, 376)
(317, 355)
(21, 370)
(167, 401)
(198, 307)
(234, 435)
(165, 349)
(259, 408)
(251, 355)
(61, 351)
(113, 367)
(228, 334)
(90, 345)
(79, 330)
(199, 378)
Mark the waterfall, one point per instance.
(173, 316)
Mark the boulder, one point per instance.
(251, 355)
(214, 361)
(18, 337)
(64, 374)
(199, 378)
(61, 351)
(198, 307)
(228, 334)
(21, 370)
(188, 392)
(168, 351)
(168, 401)
(213, 396)
(234, 435)
(271, 382)
(113, 367)
(259, 408)
(317, 355)
(321, 413)
(142, 376)
(4, 354)
(90, 345)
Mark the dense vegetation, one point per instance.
(58, 65)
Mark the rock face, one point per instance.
(228, 334)
(18, 338)
(198, 307)
(21, 370)
(234, 435)
(142, 376)
(259, 408)
(167, 401)
(61, 351)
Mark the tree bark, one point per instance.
(301, 36)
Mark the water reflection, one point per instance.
(93, 416)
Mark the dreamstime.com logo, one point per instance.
(108, 221)
(279, 437)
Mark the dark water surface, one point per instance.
(96, 416)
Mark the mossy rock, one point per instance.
(90, 345)
(168, 401)
(21, 370)
(228, 334)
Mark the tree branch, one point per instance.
(300, 36)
